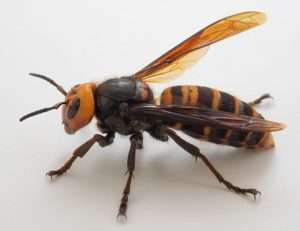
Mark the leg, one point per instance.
(260, 99)
(134, 139)
(194, 151)
(158, 132)
(81, 151)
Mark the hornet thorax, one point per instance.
(114, 95)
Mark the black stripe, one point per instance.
(217, 134)
(176, 95)
(227, 102)
(245, 109)
(195, 132)
(205, 96)
(255, 138)
(236, 138)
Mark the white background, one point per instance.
(80, 41)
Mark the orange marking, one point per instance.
(236, 106)
(236, 111)
(247, 138)
(215, 99)
(185, 94)
(206, 132)
(254, 113)
(193, 96)
(269, 143)
(167, 97)
(263, 140)
(177, 126)
(144, 94)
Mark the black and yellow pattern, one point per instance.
(217, 100)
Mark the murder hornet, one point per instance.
(126, 106)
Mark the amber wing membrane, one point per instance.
(171, 64)
(196, 116)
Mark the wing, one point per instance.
(204, 116)
(177, 60)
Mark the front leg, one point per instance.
(82, 150)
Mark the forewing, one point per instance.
(184, 55)
(196, 116)
(170, 70)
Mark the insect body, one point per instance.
(126, 106)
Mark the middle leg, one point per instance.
(135, 141)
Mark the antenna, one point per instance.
(52, 82)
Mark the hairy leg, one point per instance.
(194, 151)
(81, 151)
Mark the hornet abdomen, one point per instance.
(217, 100)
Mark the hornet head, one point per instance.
(78, 106)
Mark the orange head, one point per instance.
(79, 105)
(79, 108)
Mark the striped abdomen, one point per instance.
(217, 100)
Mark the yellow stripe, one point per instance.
(236, 111)
(185, 94)
(215, 99)
(244, 143)
(206, 131)
(236, 106)
(193, 96)
(177, 126)
(262, 140)
(167, 97)
(269, 143)
(144, 94)
(254, 113)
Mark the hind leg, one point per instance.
(194, 151)
(260, 99)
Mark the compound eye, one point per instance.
(73, 108)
